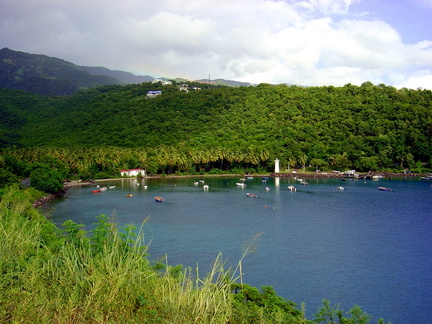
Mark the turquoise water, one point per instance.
(354, 246)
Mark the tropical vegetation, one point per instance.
(220, 129)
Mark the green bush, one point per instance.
(46, 180)
(7, 177)
(102, 175)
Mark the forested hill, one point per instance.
(52, 76)
(368, 126)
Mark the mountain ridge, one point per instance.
(54, 76)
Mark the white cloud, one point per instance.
(326, 7)
(309, 42)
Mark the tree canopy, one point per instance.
(367, 127)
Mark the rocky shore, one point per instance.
(46, 199)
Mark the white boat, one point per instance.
(111, 187)
(377, 177)
(240, 184)
(292, 188)
(384, 189)
(267, 188)
(251, 195)
(341, 188)
(205, 187)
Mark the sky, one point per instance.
(303, 42)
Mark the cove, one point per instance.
(357, 246)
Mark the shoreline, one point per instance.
(281, 175)
(342, 175)
(74, 183)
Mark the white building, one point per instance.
(154, 93)
(133, 173)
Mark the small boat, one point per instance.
(377, 177)
(249, 178)
(206, 187)
(251, 195)
(425, 178)
(196, 183)
(96, 191)
(129, 195)
(292, 188)
(304, 183)
(159, 199)
(240, 184)
(103, 188)
(242, 179)
(267, 188)
(111, 187)
(341, 188)
(264, 178)
(384, 189)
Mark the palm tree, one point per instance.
(302, 159)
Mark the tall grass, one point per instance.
(50, 276)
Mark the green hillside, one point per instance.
(52, 76)
(367, 127)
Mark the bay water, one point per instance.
(357, 246)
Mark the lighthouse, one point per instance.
(277, 166)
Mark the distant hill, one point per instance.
(52, 76)
(228, 83)
(124, 77)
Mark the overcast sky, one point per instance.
(304, 42)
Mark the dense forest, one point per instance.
(220, 129)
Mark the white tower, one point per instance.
(277, 166)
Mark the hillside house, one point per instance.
(184, 87)
(153, 93)
(133, 173)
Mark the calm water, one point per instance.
(354, 246)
